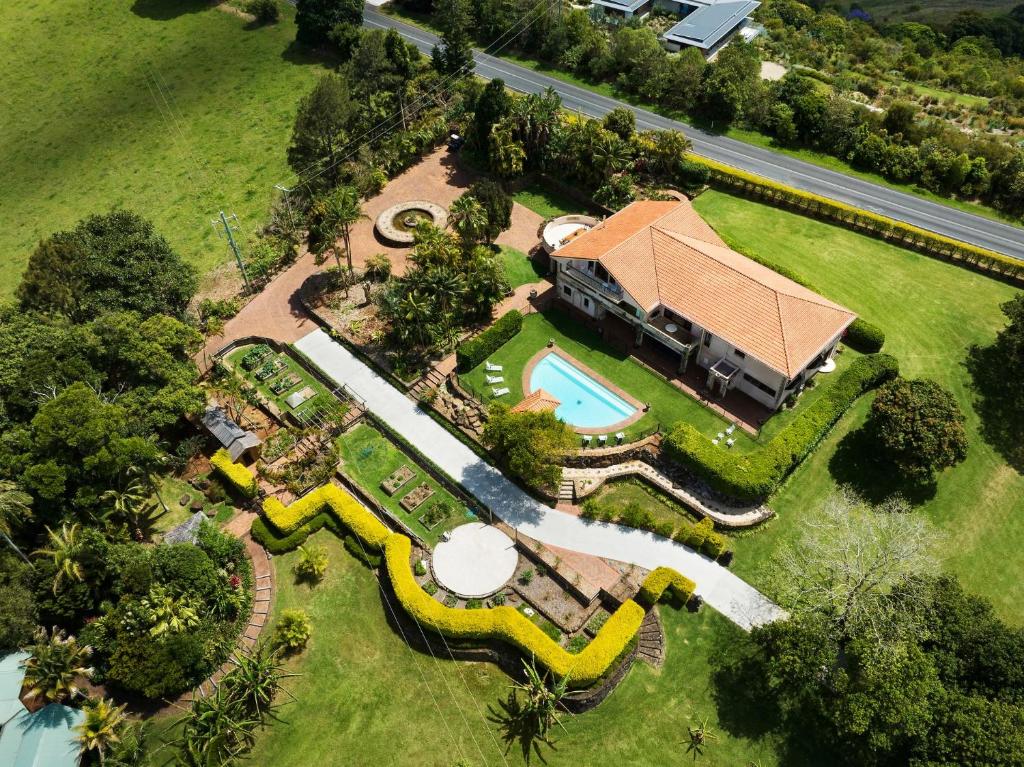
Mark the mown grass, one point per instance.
(520, 269)
(365, 698)
(546, 202)
(173, 108)
(932, 313)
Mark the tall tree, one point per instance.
(530, 444)
(65, 551)
(314, 19)
(454, 56)
(111, 262)
(324, 125)
(331, 218)
(15, 507)
(468, 218)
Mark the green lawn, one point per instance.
(963, 99)
(170, 107)
(365, 698)
(321, 396)
(932, 312)
(621, 492)
(547, 202)
(668, 404)
(520, 269)
(369, 458)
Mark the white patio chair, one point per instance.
(721, 435)
(495, 379)
(492, 368)
(602, 438)
(620, 437)
(587, 439)
(730, 442)
(731, 429)
(714, 441)
(500, 392)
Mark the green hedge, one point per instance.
(664, 580)
(864, 337)
(275, 543)
(755, 476)
(478, 349)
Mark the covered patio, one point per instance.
(683, 373)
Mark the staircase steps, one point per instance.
(567, 491)
(651, 640)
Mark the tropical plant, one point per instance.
(468, 218)
(131, 749)
(15, 506)
(699, 738)
(215, 731)
(312, 562)
(541, 700)
(54, 664)
(293, 630)
(129, 504)
(65, 551)
(378, 267)
(331, 217)
(170, 615)
(255, 681)
(101, 728)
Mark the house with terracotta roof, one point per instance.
(662, 270)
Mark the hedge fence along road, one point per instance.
(296, 521)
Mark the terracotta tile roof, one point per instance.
(536, 401)
(664, 253)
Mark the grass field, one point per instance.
(932, 312)
(546, 202)
(320, 397)
(365, 698)
(369, 458)
(172, 108)
(520, 269)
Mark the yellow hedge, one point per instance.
(237, 475)
(509, 625)
(844, 213)
(351, 513)
(662, 578)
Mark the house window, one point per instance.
(760, 385)
(567, 290)
(739, 354)
(586, 302)
(707, 340)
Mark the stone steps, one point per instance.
(651, 640)
(567, 491)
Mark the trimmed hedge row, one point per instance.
(307, 515)
(348, 511)
(511, 626)
(478, 349)
(755, 476)
(861, 220)
(236, 474)
(662, 579)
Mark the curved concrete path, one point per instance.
(720, 588)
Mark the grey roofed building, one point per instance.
(187, 531)
(708, 26)
(236, 440)
(45, 738)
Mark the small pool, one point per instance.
(586, 403)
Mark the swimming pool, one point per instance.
(586, 403)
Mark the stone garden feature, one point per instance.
(475, 561)
(398, 223)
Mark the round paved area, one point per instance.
(475, 561)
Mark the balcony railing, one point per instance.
(615, 291)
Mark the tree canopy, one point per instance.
(110, 262)
(530, 444)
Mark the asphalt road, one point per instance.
(941, 219)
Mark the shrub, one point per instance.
(369, 557)
(476, 350)
(331, 498)
(312, 563)
(665, 529)
(526, 576)
(265, 535)
(474, 604)
(662, 580)
(755, 476)
(378, 267)
(293, 630)
(577, 643)
(430, 587)
(864, 337)
(265, 11)
(509, 625)
(714, 544)
(236, 475)
(420, 568)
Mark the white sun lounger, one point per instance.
(620, 437)
(492, 368)
(730, 442)
(721, 435)
(500, 392)
(731, 429)
(602, 438)
(495, 379)
(587, 440)
(714, 441)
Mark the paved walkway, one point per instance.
(719, 587)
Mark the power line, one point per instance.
(394, 119)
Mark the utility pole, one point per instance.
(228, 232)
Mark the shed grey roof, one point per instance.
(221, 426)
(705, 27)
(187, 531)
(625, 5)
(46, 738)
(243, 443)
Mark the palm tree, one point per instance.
(53, 666)
(15, 506)
(468, 218)
(215, 730)
(541, 702)
(132, 749)
(339, 211)
(312, 563)
(128, 504)
(101, 727)
(65, 550)
(152, 481)
(699, 738)
(256, 679)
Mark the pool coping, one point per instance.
(641, 408)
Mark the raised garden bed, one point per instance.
(437, 514)
(416, 497)
(397, 479)
(270, 369)
(255, 356)
(284, 383)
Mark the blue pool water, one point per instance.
(585, 403)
